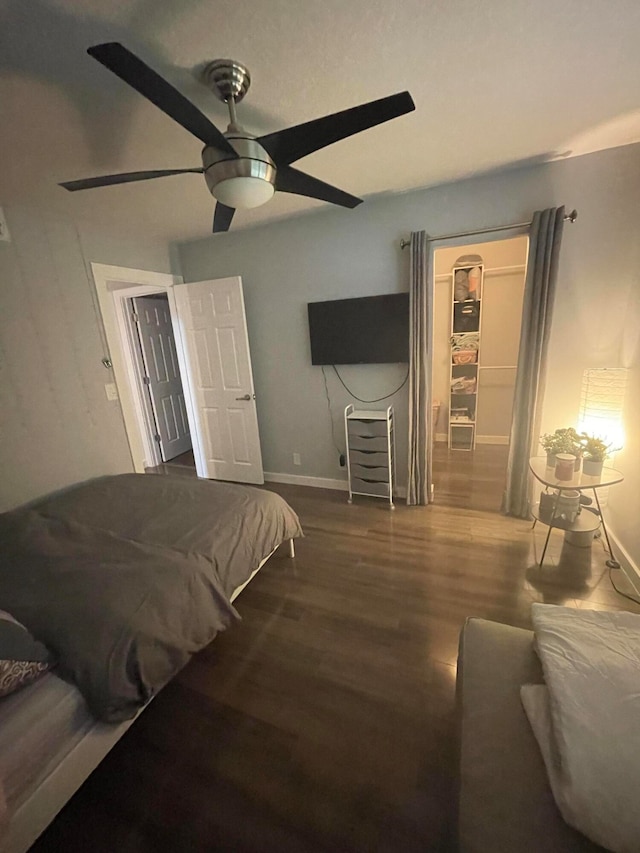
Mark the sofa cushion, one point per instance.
(586, 718)
(505, 803)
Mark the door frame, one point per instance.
(463, 243)
(114, 286)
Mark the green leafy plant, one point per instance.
(564, 440)
(595, 448)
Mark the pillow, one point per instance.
(585, 719)
(22, 659)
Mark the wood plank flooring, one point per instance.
(324, 720)
(182, 464)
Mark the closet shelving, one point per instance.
(466, 307)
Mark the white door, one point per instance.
(162, 378)
(214, 333)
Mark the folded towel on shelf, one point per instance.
(463, 385)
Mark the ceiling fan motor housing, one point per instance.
(228, 79)
(252, 162)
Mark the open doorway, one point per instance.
(159, 381)
(474, 370)
(212, 351)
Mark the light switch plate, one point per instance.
(111, 390)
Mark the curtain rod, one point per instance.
(570, 217)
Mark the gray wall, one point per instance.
(330, 255)
(56, 425)
(335, 253)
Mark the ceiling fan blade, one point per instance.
(222, 217)
(290, 180)
(287, 146)
(124, 178)
(156, 89)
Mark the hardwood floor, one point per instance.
(182, 464)
(324, 720)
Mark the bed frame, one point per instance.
(35, 814)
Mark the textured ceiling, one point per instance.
(495, 83)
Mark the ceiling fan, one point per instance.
(241, 170)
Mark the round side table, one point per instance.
(586, 521)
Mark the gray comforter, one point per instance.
(124, 578)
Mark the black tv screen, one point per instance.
(368, 330)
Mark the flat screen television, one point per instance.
(367, 330)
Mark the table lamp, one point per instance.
(601, 404)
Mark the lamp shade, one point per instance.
(601, 404)
(243, 192)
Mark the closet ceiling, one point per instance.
(495, 84)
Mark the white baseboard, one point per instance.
(480, 439)
(492, 439)
(631, 570)
(303, 480)
(320, 482)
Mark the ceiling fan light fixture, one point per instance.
(244, 193)
(244, 182)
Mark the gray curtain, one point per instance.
(420, 324)
(545, 237)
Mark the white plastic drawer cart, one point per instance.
(370, 452)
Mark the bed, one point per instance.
(123, 578)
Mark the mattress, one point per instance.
(49, 744)
(124, 578)
(233, 526)
(39, 726)
(49, 740)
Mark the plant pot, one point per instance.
(580, 538)
(567, 505)
(565, 466)
(592, 467)
(551, 461)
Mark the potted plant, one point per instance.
(549, 442)
(595, 451)
(564, 440)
